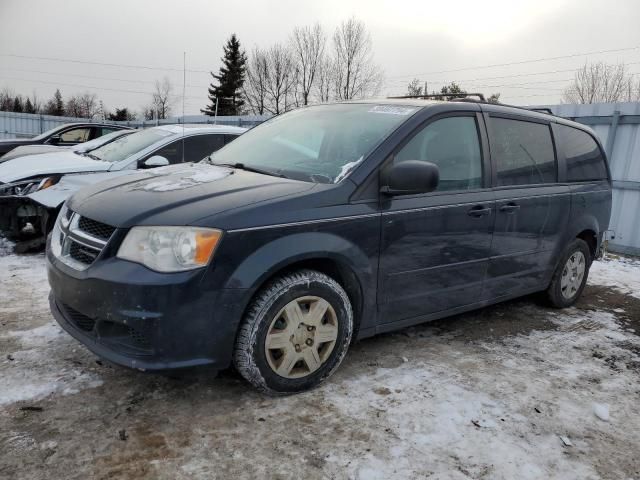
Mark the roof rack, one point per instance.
(460, 96)
(464, 97)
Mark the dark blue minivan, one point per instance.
(326, 225)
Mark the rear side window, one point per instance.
(523, 151)
(172, 152)
(583, 156)
(453, 145)
(201, 146)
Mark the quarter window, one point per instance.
(523, 151)
(453, 145)
(583, 156)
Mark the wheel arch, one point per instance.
(334, 256)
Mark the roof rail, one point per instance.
(464, 97)
(461, 96)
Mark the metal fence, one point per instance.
(618, 126)
(27, 125)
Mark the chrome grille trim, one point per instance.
(75, 242)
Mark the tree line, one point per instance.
(308, 68)
(311, 66)
(85, 105)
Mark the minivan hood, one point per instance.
(178, 194)
(47, 164)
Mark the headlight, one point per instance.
(170, 249)
(25, 187)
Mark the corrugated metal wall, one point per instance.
(618, 126)
(26, 125)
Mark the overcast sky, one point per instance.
(411, 39)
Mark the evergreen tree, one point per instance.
(121, 114)
(17, 104)
(55, 106)
(28, 106)
(230, 81)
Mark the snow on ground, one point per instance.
(31, 368)
(514, 391)
(620, 273)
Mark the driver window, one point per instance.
(454, 146)
(75, 135)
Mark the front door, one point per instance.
(435, 247)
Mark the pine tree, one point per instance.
(28, 106)
(17, 104)
(58, 103)
(55, 106)
(230, 81)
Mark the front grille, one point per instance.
(81, 239)
(81, 321)
(81, 253)
(95, 228)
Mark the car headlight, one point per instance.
(26, 187)
(170, 249)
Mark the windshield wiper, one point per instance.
(242, 166)
(94, 157)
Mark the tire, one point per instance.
(571, 274)
(285, 325)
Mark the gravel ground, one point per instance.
(513, 391)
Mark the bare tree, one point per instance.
(162, 98)
(600, 82)
(415, 87)
(82, 106)
(255, 88)
(280, 80)
(356, 75)
(6, 100)
(325, 79)
(307, 46)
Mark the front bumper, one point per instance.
(141, 319)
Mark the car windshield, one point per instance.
(321, 144)
(98, 142)
(122, 148)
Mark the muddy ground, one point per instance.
(511, 391)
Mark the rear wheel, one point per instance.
(295, 334)
(570, 276)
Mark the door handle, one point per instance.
(479, 211)
(510, 208)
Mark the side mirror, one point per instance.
(410, 177)
(155, 161)
(54, 140)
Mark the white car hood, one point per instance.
(49, 163)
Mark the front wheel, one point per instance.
(295, 334)
(570, 276)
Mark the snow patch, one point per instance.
(622, 273)
(192, 176)
(346, 169)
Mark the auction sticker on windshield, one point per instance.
(393, 110)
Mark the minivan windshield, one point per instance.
(320, 144)
(124, 147)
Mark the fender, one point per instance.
(278, 254)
